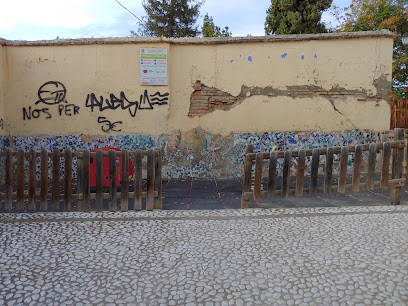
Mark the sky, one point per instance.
(49, 19)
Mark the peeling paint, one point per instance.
(206, 99)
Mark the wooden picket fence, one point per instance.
(28, 193)
(392, 165)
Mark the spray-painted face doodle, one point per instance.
(52, 93)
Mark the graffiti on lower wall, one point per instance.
(196, 153)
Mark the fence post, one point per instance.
(112, 180)
(372, 155)
(385, 166)
(124, 184)
(80, 189)
(9, 180)
(286, 173)
(273, 158)
(150, 180)
(20, 181)
(246, 184)
(85, 180)
(31, 180)
(68, 180)
(328, 175)
(258, 176)
(158, 201)
(314, 171)
(300, 176)
(405, 172)
(99, 180)
(138, 180)
(343, 169)
(55, 180)
(397, 159)
(44, 181)
(358, 158)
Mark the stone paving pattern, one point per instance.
(293, 256)
(191, 194)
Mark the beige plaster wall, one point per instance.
(362, 65)
(349, 64)
(2, 85)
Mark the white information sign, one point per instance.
(153, 66)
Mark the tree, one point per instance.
(366, 15)
(170, 18)
(296, 16)
(211, 30)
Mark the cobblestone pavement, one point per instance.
(306, 256)
(198, 194)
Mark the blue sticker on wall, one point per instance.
(302, 57)
(231, 61)
(315, 56)
(284, 55)
(250, 59)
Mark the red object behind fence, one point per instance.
(92, 168)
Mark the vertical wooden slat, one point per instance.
(99, 180)
(124, 184)
(55, 180)
(343, 169)
(397, 159)
(273, 158)
(405, 167)
(31, 180)
(112, 180)
(328, 175)
(44, 181)
(358, 158)
(150, 180)
(246, 183)
(158, 201)
(300, 175)
(85, 180)
(9, 180)
(286, 174)
(80, 189)
(314, 171)
(258, 176)
(138, 180)
(385, 167)
(68, 180)
(20, 180)
(372, 155)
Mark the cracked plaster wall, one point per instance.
(309, 85)
(289, 94)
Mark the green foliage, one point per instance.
(296, 16)
(170, 18)
(211, 30)
(367, 15)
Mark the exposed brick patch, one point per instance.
(206, 99)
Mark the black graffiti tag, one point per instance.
(122, 102)
(109, 126)
(52, 93)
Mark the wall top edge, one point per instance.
(199, 40)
